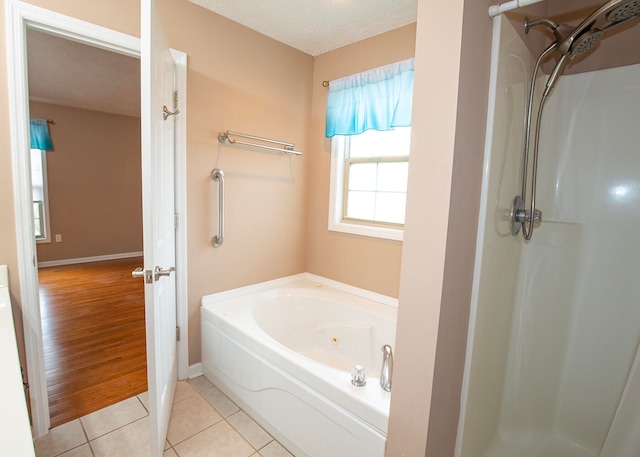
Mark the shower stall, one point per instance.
(553, 360)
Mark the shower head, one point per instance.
(585, 36)
(585, 42)
(628, 10)
(582, 44)
(615, 12)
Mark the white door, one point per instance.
(157, 72)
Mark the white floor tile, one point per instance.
(196, 429)
(249, 429)
(60, 439)
(82, 451)
(189, 417)
(220, 440)
(220, 401)
(132, 440)
(200, 383)
(112, 417)
(184, 390)
(274, 449)
(144, 399)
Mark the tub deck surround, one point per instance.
(284, 350)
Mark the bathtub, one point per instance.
(284, 350)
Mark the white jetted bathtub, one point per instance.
(284, 351)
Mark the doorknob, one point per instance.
(161, 272)
(144, 274)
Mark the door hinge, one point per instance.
(165, 111)
(176, 220)
(177, 333)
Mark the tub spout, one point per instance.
(387, 368)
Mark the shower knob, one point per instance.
(519, 216)
(537, 217)
(359, 376)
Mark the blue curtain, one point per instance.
(379, 99)
(40, 138)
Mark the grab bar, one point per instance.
(218, 175)
(287, 148)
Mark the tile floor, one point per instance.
(204, 422)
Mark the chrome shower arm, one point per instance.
(548, 22)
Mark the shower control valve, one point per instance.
(359, 376)
(519, 216)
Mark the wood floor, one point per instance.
(93, 328)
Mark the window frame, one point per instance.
(338, 222)
(45, 202)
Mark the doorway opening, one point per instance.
(20, 18)
(92, 311)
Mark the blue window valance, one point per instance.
(40, 138)
(378, 99)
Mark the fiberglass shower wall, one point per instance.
(555, 322)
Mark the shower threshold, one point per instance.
(528, 444)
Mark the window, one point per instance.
(369, 183)
(40, 195)
(369, 119)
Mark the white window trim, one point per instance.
(45, 192)
(336, 224)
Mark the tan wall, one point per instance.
(260, 87)
(8, 242)
(370, 263)
(120, 15)
(8, 250)
(442, 210)
(431, 161)
(95, 183)
(237, 80)
(241, 81)
(464, 208)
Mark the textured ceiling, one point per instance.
(72, 74)
(65, 72)
(316, 26)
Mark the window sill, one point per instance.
(367, 230)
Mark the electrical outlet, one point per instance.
(58, 238)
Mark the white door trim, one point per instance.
(19, 16)
(180, 202)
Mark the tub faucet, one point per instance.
(387, 368)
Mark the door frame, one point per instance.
(19, 16)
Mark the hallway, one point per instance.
(93, 327)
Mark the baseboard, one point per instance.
(97, 258)
(195, 370)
